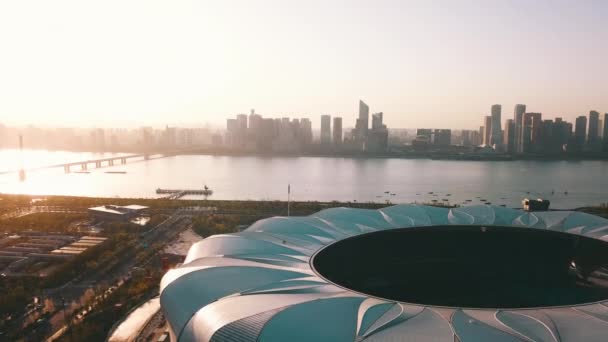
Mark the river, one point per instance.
(568, 184)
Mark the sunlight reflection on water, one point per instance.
(323, 179)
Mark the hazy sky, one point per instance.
(423, 63)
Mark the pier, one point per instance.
(177, 194)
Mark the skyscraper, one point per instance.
(562, 131)
(325, 129)
(593, 135)
(465, 137)
(475, 138)
(531, 129)
(496, 132)
(254, 130)
(605, 133)
(337, 132)
(580, 130)
(427, 132)
(487, 128)
(548, 141)
(305, 131)
(241, 122)
(518, 117)
(443, 137)
(364, 114)
(240, 138)
(377, 140)
(231, 132)
(509, 136)
(377, 120)
(362, 122)
(537, 124)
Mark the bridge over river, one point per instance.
(84, 165)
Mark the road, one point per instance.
(78, 292)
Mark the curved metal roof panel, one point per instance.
(258, 285)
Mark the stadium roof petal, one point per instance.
(259, 285)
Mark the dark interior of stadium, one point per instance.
(470, 266)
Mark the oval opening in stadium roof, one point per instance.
(470, 266)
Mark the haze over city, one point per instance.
(422, 63)
(321, 170)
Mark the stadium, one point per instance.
(401, 273)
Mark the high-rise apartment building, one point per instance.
(518, 117)
(496, 132)
(580, 130)
(337, 131)
(509, 136)
(442, 137)
(305, 131)
(241, 120)
(531, 128)
(426, 132)
(377, 121)
(605, 134)
(362, 124)
(377, 140)
(364, 115)
(537, 126)
(465, 137)
(255, 121)
(325, 129)
(475, 138)
(593, 134)
(549, 140)
(562, 131)
(487, 128)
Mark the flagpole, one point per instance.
(288, 197)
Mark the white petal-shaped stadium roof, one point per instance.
(258, 285)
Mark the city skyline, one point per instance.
(197, 63)
(271, 147)
(315, 119)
